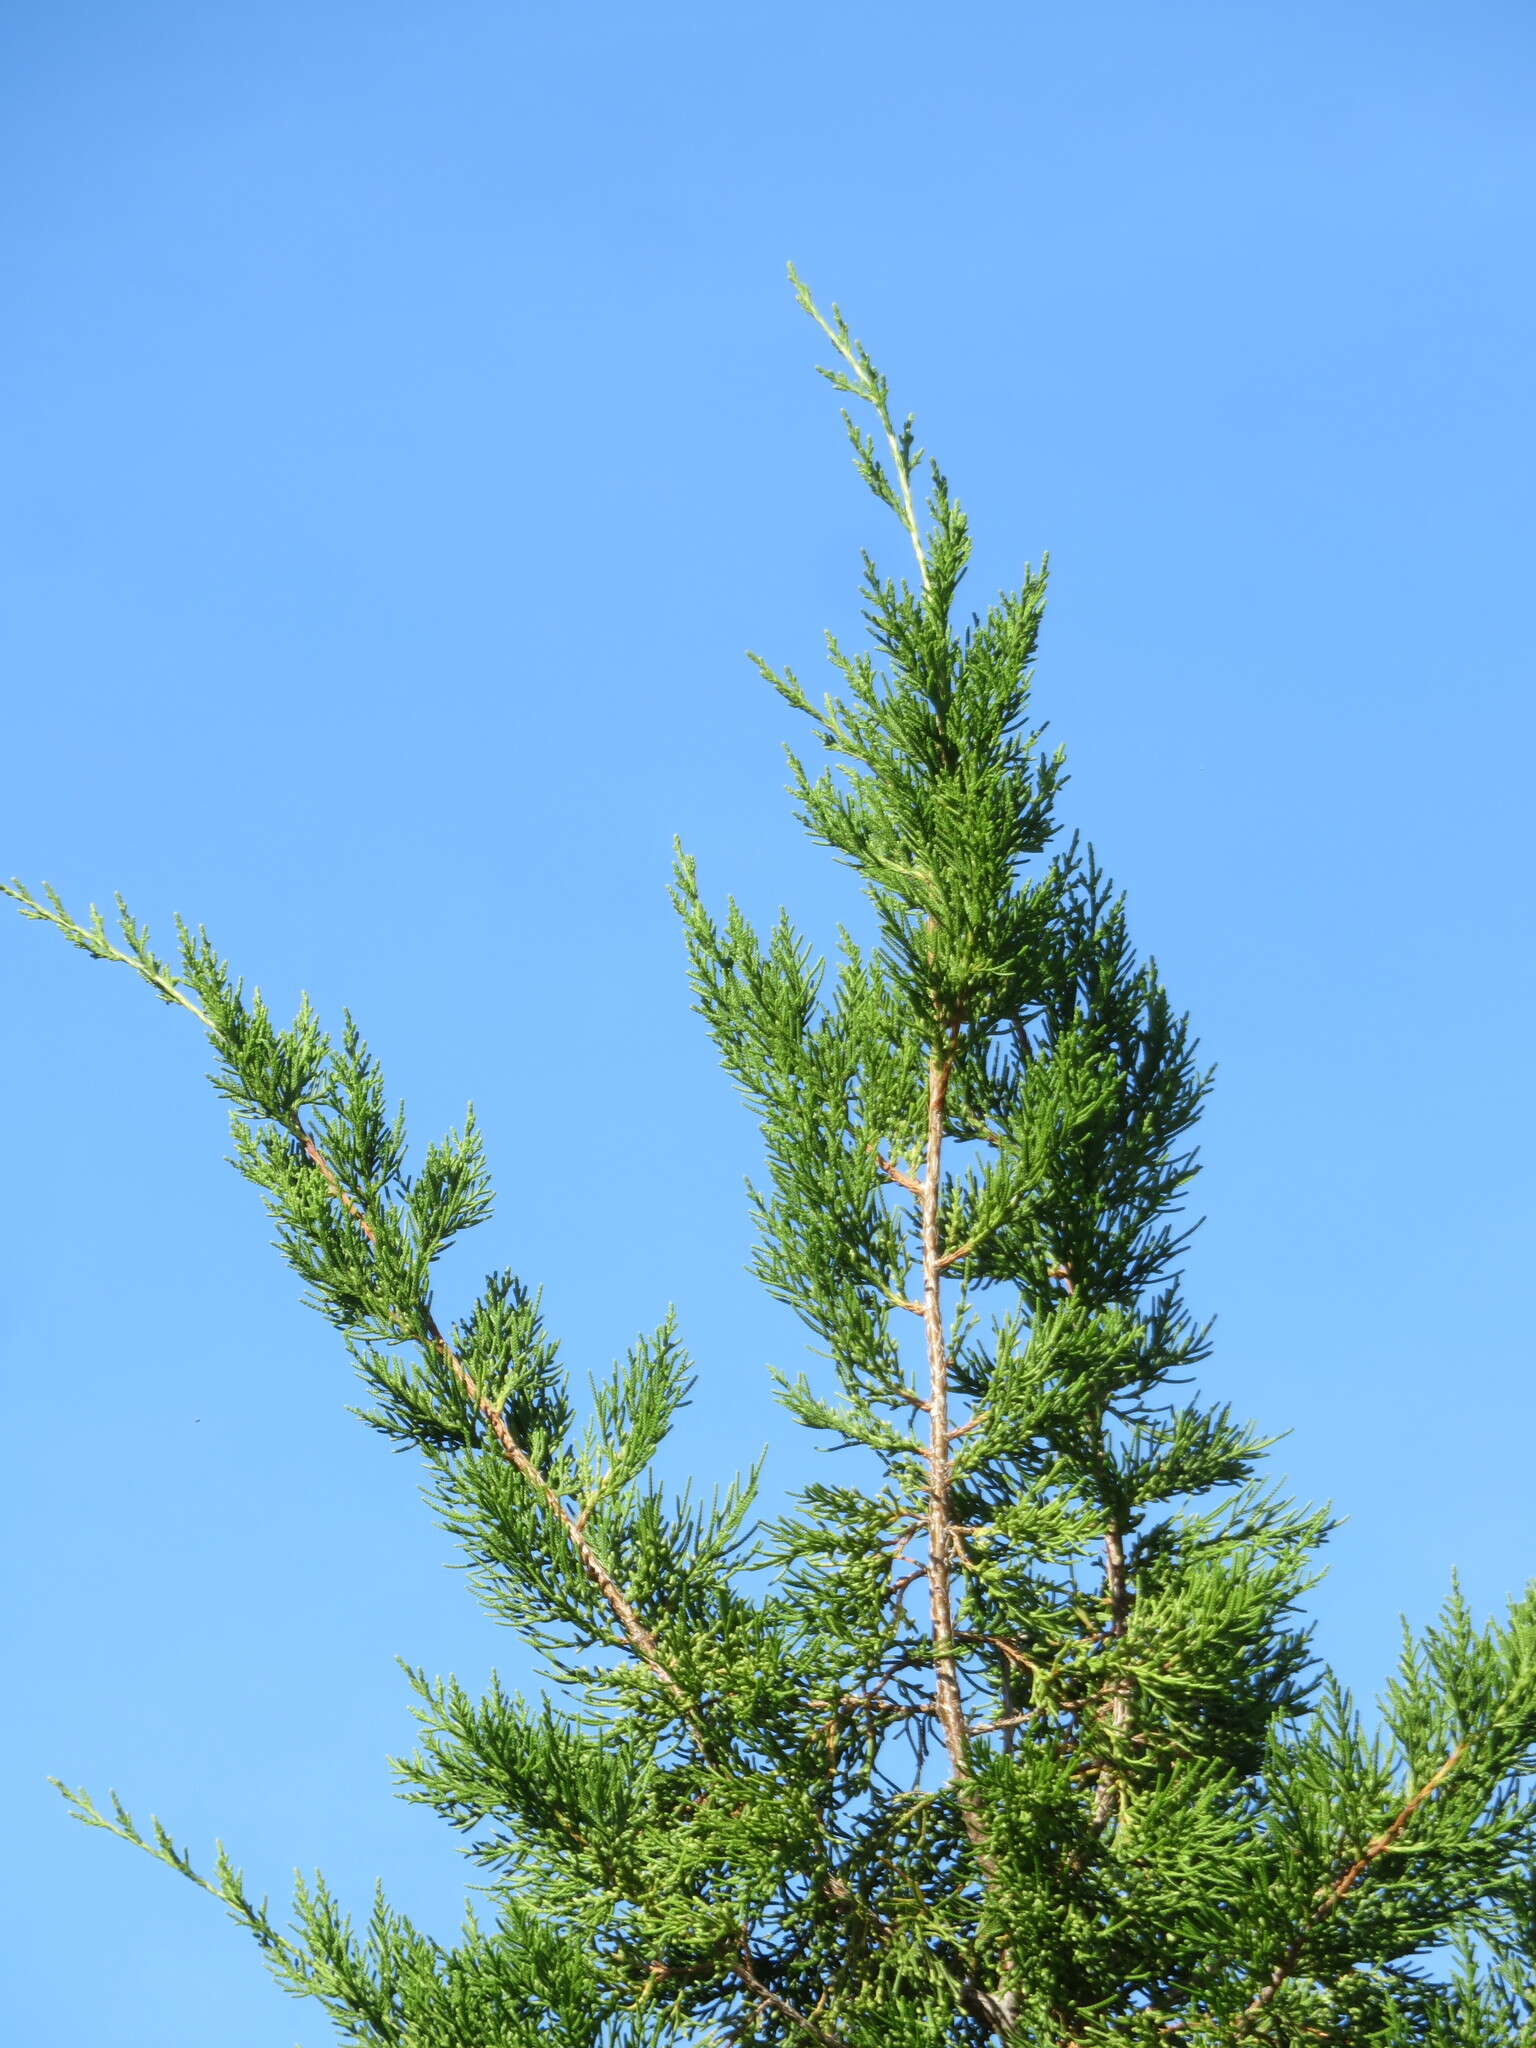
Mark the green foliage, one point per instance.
(1015, 1734)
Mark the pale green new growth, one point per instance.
(1016, 1734)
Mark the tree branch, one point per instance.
(745, 1970)
(1106, 1798)
(902, 1180)
(640, 1638)
(947, 1701)
(1335, 1895)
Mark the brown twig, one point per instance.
(1001, 1727)
(913, 1308)
(951, 1713)
(906, 1394)
(745, 1970)
(899, 1586)
(1335, 1895)
(902, 1180)
(640, 1638)
(1009, 1651)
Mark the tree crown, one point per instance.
(1016, 1734)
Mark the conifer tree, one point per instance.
(1014, 1735)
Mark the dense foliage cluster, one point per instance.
(1014, 1735)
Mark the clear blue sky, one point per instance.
(408, 427)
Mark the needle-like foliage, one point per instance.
(1014, 1735)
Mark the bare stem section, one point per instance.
(1118, 1704)
(948, 1705)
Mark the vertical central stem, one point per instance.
(947, 1701)
(997, 2008)
(1117, 1596)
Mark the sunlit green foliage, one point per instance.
(1011, 1731)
